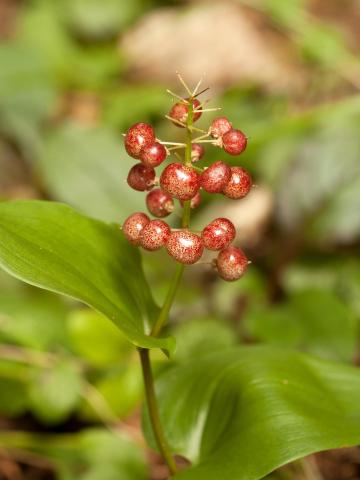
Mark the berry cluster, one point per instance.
(183, 181)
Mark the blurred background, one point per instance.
(74, 75)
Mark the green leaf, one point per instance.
(53, 247)
(13, 398)
(241, 414)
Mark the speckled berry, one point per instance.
(159, 203)
(197, 152)
(239, 185)
(194, 202)
(180, 110)
(154, 235)
(215, 178)
(180, 181)
(231, 263)
(133, 227)
(185, 247)
(234, 142)
(218, 234)
(153, 155)
(137, 138)
(219, 126)
(141, 177)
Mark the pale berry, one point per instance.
(194, 202)
(180, 111)
(159, 203)
(234, 142)
(154, 235)
(141, 177)
(154, 154)
(219, 127)
(197, 152)
(134, 225)
(231, 263)
(218, 234)
(180, 181)
(138, 137)
(185, 247)
(215, 178)
(239, 185)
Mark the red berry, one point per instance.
(141, 177)
(197, 152)
(239, 185)
(219, 127)
(181, 181)
(194, 202)
(231, 263)
(218, 234)
(134, 225)
(185, 247)
(154, 235)
(180, 111)
(215, 178)
(159, 203)
(234, 142)
(137, 138)
(153, 155)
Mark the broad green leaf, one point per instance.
(241, 414)
(53, 247)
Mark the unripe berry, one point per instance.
(197, 152)
(231, 263)
(219, 127)
(180, 112)
(194, 202)
(180, 181)
(133, 227)
(141, 177)
(239, 185)
(137, 138)
(153, 155)
(215, 178)
(218, 234)
(159, 203)
(154, 235)
(185, 247)
(234, 142)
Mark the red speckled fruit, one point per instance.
(197, 152)
(137, 138)
(231, 263)
(234, 142)
(218, 234)
(180, 110)
(194, 202)
(219, 127)
(153, 155)
(133, 227)
(180, 181)
(239, 185)
(159, 203)
(141, 177)
(216, 177)
(154, 235)
(185, 247)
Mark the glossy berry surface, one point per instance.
(141, 177)
(180, 181)
(197, 152)
(138, 137)
(180, 111)
(194, 202)
(159, 203)
(215, 178)
(218, 234)
(153, 155)
(234, 142)
(185, 247)
(133, 227)
(219, 126)
(239, 185)
(231, 263)
(154, 235)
